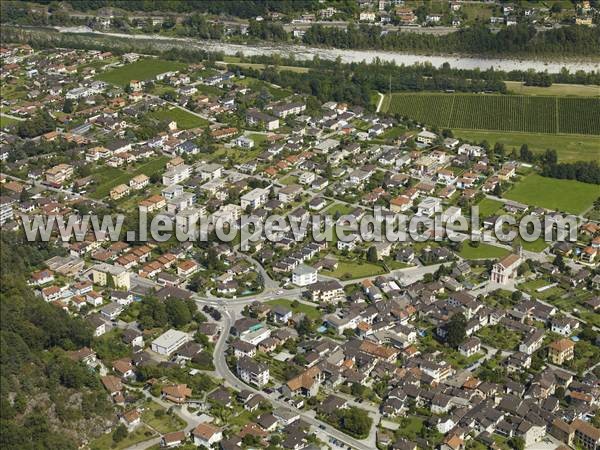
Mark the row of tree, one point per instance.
(585, 171)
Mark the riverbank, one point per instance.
(301, 52)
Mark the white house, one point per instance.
(252, 372)
(255, 198)
(429, 206)
(426, 137)
(304, 275)
(243, 142)
(206, 434)
(169, 341)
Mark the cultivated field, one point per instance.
(529, 114)
(143, 70)
(563, 195)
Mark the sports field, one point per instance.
(562, 195)
(530, 114)
(143, 70)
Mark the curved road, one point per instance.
(223, 370)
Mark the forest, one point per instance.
(521, 39)
(38, 380)
(245, 9)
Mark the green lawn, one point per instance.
(257, 85)
(14, 90)
(460, 361)
(184, 119)
(140, 434)
(410, 427)
(532, 286)
(500, 337)
(562, 195)
(393, 133)
(340, 208)
(7, 121)
(569, 147)
(143, 70)
(310, 311)
(488, 207)
(258, 66)
(536, 246)
(166, 423)
(289, 179)
(258, 138)
(109, 177)
(348, 270)
(482, 251)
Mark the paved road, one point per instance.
(9, 116)
(380, 102)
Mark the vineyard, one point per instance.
(531, 114)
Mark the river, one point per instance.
(302, 52)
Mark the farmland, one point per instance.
(562, 195)
(529, 114)
(144, 69)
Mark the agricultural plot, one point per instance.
(579, 115)
(144, 70)
(528, 114)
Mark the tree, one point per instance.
(69, 106)
(120, 433)
(349, 333)
(550, 156)
(517, 442)
(560, 263)
(498, 189)
(355, 421)
(306, 326)
(456, 330)
(201, 339)
(177, 312)
(357, 389)
(525, 154)
(372, 254)
(250, 440)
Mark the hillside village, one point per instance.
(296, 343)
